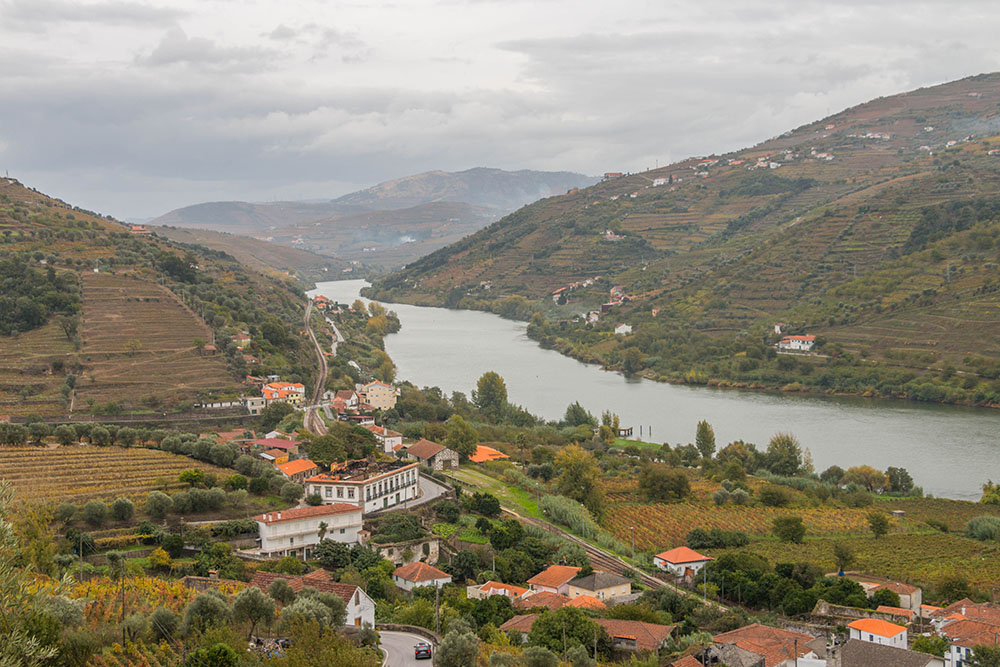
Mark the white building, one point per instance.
(877, 631)
(370, 485)
(797, 343)
(359, 608)
(296, 531)
(389, 439)
(623, 329)
(681, 562)
(419, 574)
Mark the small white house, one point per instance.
(296, 531)
(797, 343)
(388, 438)
(623, 329)
(419, 574)
(877, 631)
(681, 562)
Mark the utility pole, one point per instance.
(633, 545)
(564, 638)
(437, 608)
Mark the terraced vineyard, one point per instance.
(80, 473)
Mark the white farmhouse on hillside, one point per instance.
(877, 631)
(296, 531)
(681, 562)
(623, 329)
(797, 343)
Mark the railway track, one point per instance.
(313, 421)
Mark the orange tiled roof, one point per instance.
(648, 636)
(276, 453)
(520, 623)
(297, 467)
(773, 644)
(896, 611)
(420, 571)
(298, 513)
(683, 555)
(686, 661)
(484, 453)
(877, 626)
(547, 599)
(586, 602)
(507, 589)
(554, 576)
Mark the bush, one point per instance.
(789, 528)
(158, 504)
(984, 528)
(163, 624)
(716, 538)
(258, 486)
(314, 499)
(66, 512)
(291, 492)
(448, 511)
(95, 513)
(775, 496)
(173, 544)
(122, 509)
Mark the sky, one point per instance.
(135, 108)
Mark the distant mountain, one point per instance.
(487, 188)
(502, 191)
(877, 229)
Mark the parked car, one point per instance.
(422, 650)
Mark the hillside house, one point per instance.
(547, 599)
(681, 562)
(623, 329)
(359, 607)
(419, 574)
(877, 631)
(763, 645)
(386, 437)
(255, 404)
(433, 455)
(283, 392)
(611, 175)
(600, 585)
(242, 339)
(491, 588)
(275, 456)
(371, 485)
(298, 470)
(295, 532)
(857, 653)
(910, 597)
(290, 447)
(554, 579)
(587, 602)
(797, 343)
(139, 230)
(379, 395)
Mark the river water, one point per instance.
(950, 451)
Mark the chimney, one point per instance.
(213, 574)
(963, 611)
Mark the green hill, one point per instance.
(875, 229)
(96, 317)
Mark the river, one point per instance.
(950, 451)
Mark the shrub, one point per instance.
(984, 528)
(66, 512)
(258, 486)
(122, 509)
(291, 492)
(158, 504)
(775, 496)
(789, 528)
(95, 513)
(716, 538)
(314, 499)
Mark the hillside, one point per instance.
(261, 255)
(386, 239)
(98, 319)
(874, 228)
(244, 217)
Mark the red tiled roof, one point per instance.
(897, 588)
(276, 453)
(420, 571)
(647, 636)
(298, 513)
(320, 580)
(877, 626)
(683, 555)
(484, 453)
(507, 589)
(520, 623)
(895, 611)
(806, 339)
(546, 599)
(773, 644)
(276, 443)
(554, 576)
(297, 466)
(966, 632)
(686, 661)
(423, 449)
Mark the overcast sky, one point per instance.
(135, 108)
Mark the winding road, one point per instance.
(313, 421)
(398, 648)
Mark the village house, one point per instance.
(484, 454)
(554, 579)
(771, 646)
(433, 455)
(298, 470)
(631, 636)
(379, 395)
(856, 653)
(294, 532)
(370, 485)
(623, 329)
(797, 343)
(681, 562)
(491, 588)
(255, 404)
(877, 631)
(386, 437)
(963, 636)
(547, 599)
(283, 392)
(601, 585)
(139, 230)
(419, 574)
(359, 607)
(289, 446)
(275, 456)
(587, 602)
(242, 339)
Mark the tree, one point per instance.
(158, 504)
(883, 596)
(281, 591)
(580, 478)
(563, 628)
(539, 656)
(576, 415)
(461, 438)
(464, 565)
(984, 655)
(832, 475)
(192, 477)
(506, 534)
(879, 523)
(65, 434)
(789, 528)
(122, 509)
(305, 608)
(100, 436)
(252, 606)
(39, 430)
(704, 439)
(843, 555)
(218, 655)
(272, 415)
(332, 555)
(868, 477)
(784, 455)
(206, 610)
(163, 624)
(485, 503)
(448, 511)
(457, 649)
(490, 396)
(159, 559)
(659, 483)
(95, 513)
(899, 480)
(291, 492)
(933, 645)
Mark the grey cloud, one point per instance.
(38, 14)
(282, 33)
(176, 48)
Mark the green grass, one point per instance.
(518, 499)
(622, 443)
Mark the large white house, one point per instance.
(797, 343)
(296, 531)
(370, 485)
(877, 631)
(681, 562)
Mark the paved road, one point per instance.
(398, 647)
(313, 421)
(429, 492)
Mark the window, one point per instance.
(340, 492)
(291, 540)
(342, 531)
(350, 492)
(329, 492)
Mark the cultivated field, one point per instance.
(80, 473)
(25, 363)
(138, 342)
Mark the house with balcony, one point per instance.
(295, 532)
(370, 485)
